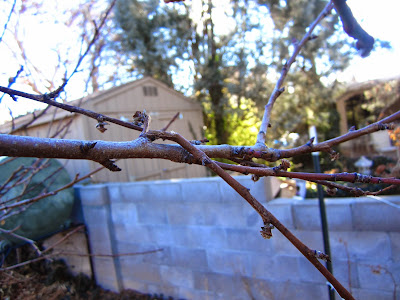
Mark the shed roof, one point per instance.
(357, 88)
(98, 98)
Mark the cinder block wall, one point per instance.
(212, 249)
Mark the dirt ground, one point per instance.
(52, 280)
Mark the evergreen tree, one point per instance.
(153, 37)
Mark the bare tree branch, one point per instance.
(365, 42)
(8, 20)
(278, 90)
(269, 220)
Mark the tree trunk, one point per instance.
(216, 95)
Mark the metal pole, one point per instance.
(322, 211)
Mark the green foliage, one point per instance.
(375, 103)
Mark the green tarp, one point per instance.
(44, 217)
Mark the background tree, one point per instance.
(235, 62)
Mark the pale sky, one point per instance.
(380, 20)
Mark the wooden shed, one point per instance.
(159, 101)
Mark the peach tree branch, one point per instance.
(365, 42)
(269, 220)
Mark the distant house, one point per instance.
(364, 103)
(159, 101)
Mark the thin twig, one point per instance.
(109, 255)
(278, 90)
(63, 238)
(22, 238)
(27, 262)
(347, 177)
(171, 121)
(51, 193)
(94, 39)
(8, 20)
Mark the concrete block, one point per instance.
(96, 220)
(142, 272)
(229, 195)
(131, 284)
(339, 214)
(193, 294)
(134, 192)
(262, 189)
(306, 215)
(153, 191)
(114, 192)
(366, 218)
(301, 291)
(275, 268)
(152, 214)
(177, 276)
(204, 237)
(106, 273)
(282, 210)
(346, 272)
(229, 262)
(313, 239)
(124, 213)
(239, 214)
(253, 219)
(133, 233)
(95, 216)
(94, 195)
(167, 191)
(376, 277)
(262, 289)
(361, 246)
(248, 240)
(194, 259)
(229, 287)
(198, 213)
(160, 234)
(308, 273)
(372, 294)
(200, 191)
(395, 243)
(273, 290)
(163, 290)
(282, 246)
(131, 252)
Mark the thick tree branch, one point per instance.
(103, 151)
(365, 42)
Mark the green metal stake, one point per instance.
(322, 211)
